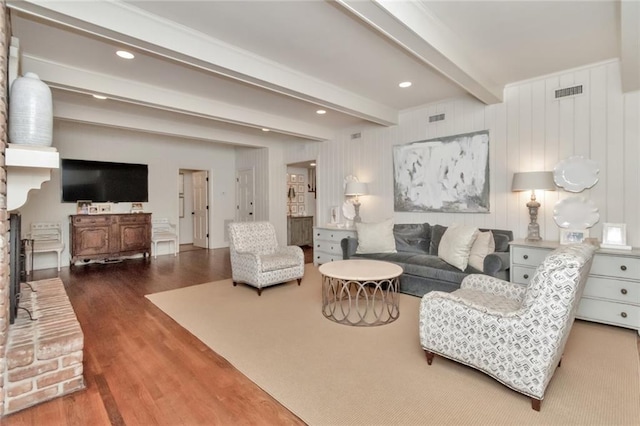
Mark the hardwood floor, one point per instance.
(141, 368)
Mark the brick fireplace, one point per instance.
(40, 359)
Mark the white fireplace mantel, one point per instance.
(28, 167)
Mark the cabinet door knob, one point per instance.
(526, 256)
(623, 291)
(623, 314)
(623, 267)
(526, 276)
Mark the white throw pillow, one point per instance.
(455, 245)
(482, 246)
(376, 237)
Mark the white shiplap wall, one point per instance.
(530, 130)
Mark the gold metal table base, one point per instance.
(360, 303)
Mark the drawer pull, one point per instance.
(623, 291)
(526, 276)
(526, 256)
(623, 314)
(623, 267)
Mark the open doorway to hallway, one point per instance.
(193, 206)
(301, 203)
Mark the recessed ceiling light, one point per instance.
(405, 84)
(321, 111)
(99, 97)
(124, 54)
(266, 130)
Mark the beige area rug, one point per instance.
(332, 374)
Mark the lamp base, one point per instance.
(533, 232)
(356, 207)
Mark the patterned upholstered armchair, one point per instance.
(515, 334)
(256, 258)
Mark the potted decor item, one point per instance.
(30, 112)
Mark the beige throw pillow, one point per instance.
(455, 245)
(376, 237)
(482, 246)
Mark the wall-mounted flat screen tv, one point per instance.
(104, 182)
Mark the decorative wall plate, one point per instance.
(575, 174)
(576, 213)
(348, 211)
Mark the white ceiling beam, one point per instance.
(113, 117)
(630, 45)
(414, 28)
(69, 78)
(135, 27)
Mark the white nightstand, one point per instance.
(326, 243)
(612, 293)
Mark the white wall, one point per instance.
(529, 131)
(165, 157)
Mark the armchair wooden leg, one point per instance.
(429, 356)
(560, 362)
(260, 292)
(235, 283)
(535, 404)
(299, 281)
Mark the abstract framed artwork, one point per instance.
(448, 174)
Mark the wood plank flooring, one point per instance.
(140, 367)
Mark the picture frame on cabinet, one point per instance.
(93, 209)
(573, 236)
(83, 206)
(104, 208)
(136, 207)
(614, 236)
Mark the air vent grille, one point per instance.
(434, 118)
(568, 91)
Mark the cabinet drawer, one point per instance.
(134, 218)
(522, 274)
(321, 257)
(332, 234)
(528, 256)
(614, 290)
(609, 312)
(330, 247)
(616, 266)
(89, 220)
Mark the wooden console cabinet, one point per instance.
(108, 236)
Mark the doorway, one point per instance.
(245, 189)
(194, 209)
(301, 203)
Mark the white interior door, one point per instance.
(200, 209)
(244, 189)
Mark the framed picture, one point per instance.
(301, 198)
(294, 209)
(573, 236)
(293, 178)
(93, 210)
(300, 189)
(83, 207)
(104, 208)
(301, 209)
(301, 178)
(614, 235)
(136, 207)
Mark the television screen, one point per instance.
(104, 182)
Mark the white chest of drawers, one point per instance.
(612, 293)
(326, 243)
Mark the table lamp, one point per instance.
(530, 181)
(356, 189)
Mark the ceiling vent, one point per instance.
(568, 91)
(356, 135)
(435, 118)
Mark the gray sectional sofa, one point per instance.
(417, 254)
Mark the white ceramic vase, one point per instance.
(30, 112)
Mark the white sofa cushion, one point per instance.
(482, 246)
(455, 245)
(376, 237)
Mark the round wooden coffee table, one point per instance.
(360, 292)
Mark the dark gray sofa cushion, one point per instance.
(412, 237)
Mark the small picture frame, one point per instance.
(334, 214)
(294, 209)
(301, 199)
(300, 189)
(614, 236)
(301, 210)
(83, 206)
(136, 208)
(573, 236)
(93, 209)
(104, 208)
(301, 178)
(293, 178)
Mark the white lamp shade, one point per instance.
(527, 181)
(356, 188)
